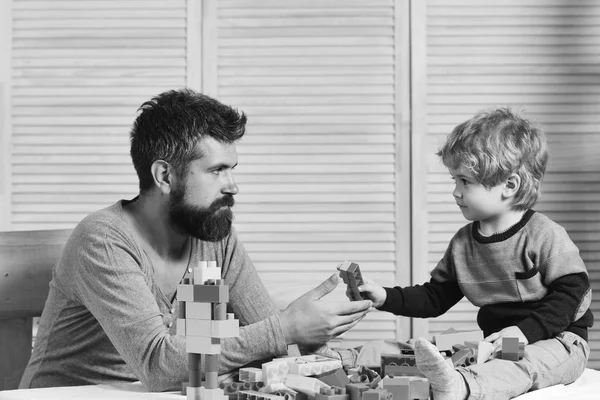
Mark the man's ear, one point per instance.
(511, 186)
(163, 175)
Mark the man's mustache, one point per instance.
(226, 200)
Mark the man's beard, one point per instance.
(210, 223)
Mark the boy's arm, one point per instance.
(431, 299)
(568, 299)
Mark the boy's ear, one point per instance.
(511, 186)
(163, 175)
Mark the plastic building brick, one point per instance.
(275, 371)
(254, 395)
(399, 387)
(205, 271)
(355, 390)
(197, 310)
(332, 393)
(293, 351)
(304, 384)
(462, 358)
(202, 345)
(365, 375)
(484, 351)
(203, 293)
(231, 389)
(334, 378)
(445, 341)
(402, 370)
(250, 374)
(314, 368)
(350, 273)
(419, 388)
(377, 394)
(512, 349)
(180, 326)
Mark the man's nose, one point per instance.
(230, 186)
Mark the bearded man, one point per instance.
(111, 310)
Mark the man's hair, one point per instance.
(496, 144)
(170, 125)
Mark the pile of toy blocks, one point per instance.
(204, 321)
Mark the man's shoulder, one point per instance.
(101, 223)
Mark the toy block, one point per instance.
(195, 378)
(484, 351)
(219, 311)
(332, 393)
(397, 359)
(184, 386)
(250, 374)
(445, 341)
(355, 390)
(195, 393)
(213, 394)
(212, 328)
(226, 328)
(304, 384)
(315, 368)
(290, 394)
(275, 371)
(462, 358)
(459, 347)
(254, 395)
(194, 362)
(350, 273)
(399, 387)
(365, 375)
(334, 378)
(197, 310)
(402, 370)
(202, 345)
(205, 271)
(293, 350)
(181, 309)
(231, 389)
(376, 394)
(512, 349)
(419, 388)
(180, 327)
(203, 293)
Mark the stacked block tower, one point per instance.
(204, 321)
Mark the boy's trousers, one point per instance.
(560, 360)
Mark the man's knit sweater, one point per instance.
(530, 276)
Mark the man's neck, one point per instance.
(150, 221)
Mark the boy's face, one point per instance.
(476, 202)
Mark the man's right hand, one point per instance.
(310, 321)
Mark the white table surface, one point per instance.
(587, 387)
(122, 391)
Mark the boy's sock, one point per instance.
(446, 383)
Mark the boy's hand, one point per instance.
(375, 292)
(509, 331)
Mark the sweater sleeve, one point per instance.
(112, 284)
(431, 299)
(567, 300)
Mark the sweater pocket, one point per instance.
(530, 285)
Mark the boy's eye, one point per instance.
(465, 182)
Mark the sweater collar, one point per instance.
(501, 236)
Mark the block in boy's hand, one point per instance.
(350, 273)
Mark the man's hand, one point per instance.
(309, 321)
(375, 292)
(509, 331)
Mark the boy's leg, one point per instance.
(550, 362)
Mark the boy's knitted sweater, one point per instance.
(530, 276)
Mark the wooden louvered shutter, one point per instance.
(80, 70)
(542, 57)
(323, 171)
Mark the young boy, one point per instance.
(517, 265)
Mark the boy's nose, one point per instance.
(456, 193)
